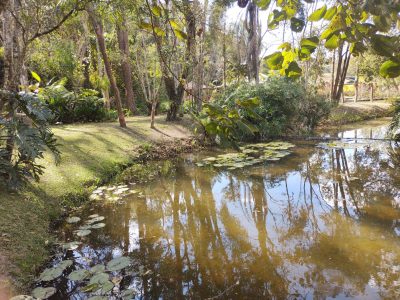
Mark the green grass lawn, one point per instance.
(91, 153)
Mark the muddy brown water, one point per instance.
(320, 224)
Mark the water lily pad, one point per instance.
(98, 225)
(79, 275)
(127, 294)
(71, 245)
(95, 220)
(106, 287)
(65, 264)
(99, 278)
(93, 216)
(22, 297)
(51, 274)
(83, 232)
(90, 287)
(98, 298)
(85, 227)
(72, 220)
(119, 263)
(43, 293)
(97, 269)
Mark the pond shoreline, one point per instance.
(20, 278)
(349, 113)
(27, 232)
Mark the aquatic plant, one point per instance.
(251, 154)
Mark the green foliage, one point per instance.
(69, 107)
(394, 129)
(284, 104)
(360, 25)
(226, 123)
(24, 138)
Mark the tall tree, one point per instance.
(123, 43)
(99, 31)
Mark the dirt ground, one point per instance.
(351, 112)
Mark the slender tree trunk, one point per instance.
(98, 28)
(123, 42)
(371, 91)
(356, 83)
(333, 74)
(341, 72)
(253, 47)
(153, 113)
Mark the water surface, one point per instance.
(322, 223)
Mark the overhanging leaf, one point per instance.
(274, 61)
(390, 69)
(180, 34)
(296, 24)
(293, 70)
(318, 14)
(332, 42)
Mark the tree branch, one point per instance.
(58, 25)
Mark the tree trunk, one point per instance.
(356, 83)
(341, 72)
(123, 42)
(253, 47)
(371, 91)
(98, 28)
(153, 113)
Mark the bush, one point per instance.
(284, 105)
(69, 107)
(394, 129)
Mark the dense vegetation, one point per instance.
(162, 54)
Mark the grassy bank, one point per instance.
(355, 112)
(91, 154)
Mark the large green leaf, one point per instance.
(263, 4)
(296, 24)
(293, 70)
(330, 13)
(274, 61)
(390, 69)
(333, 42)
(318, 14)
(180, 34)
(383, 45)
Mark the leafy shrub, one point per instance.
(284, 105)
(23, 140)
(394, 129)
(69, 107)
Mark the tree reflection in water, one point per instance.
(322, 223)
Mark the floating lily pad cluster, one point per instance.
(98, 280)
(113, 193)
(251, 154)
(93, 222)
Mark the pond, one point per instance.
(323, 222)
